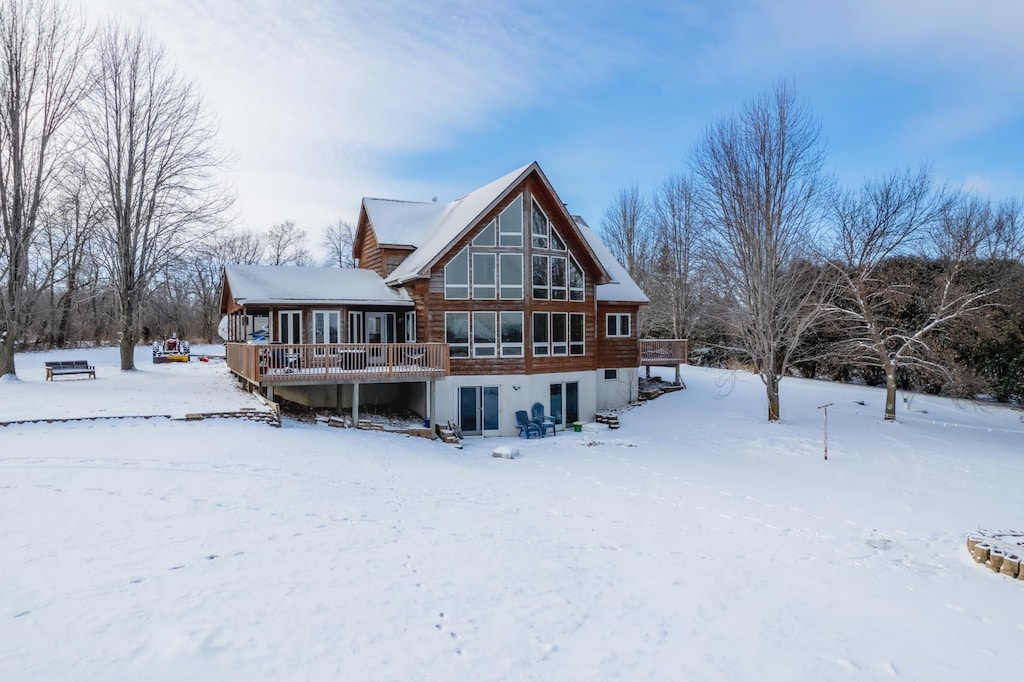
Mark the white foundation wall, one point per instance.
(516, 393)
(622, 390)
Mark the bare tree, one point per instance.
(626, 229)
(672, 286)
(759, 182)
(338, 238)
(286, 245)
(895, 294)
(154, 161)
(69, 226)
(42, 54)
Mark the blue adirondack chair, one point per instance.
(542, 420)
(526, 427)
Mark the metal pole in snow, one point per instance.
(824, 408)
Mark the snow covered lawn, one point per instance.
(697, 542)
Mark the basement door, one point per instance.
(478, 410)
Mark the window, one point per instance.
(577, 325)
(483, 275)
(540, 334)
(576, 280)
(510, 224)
(326, 326)
(559, 334)
(617, 324)
(486, 236)
(484, 335)
(456, 333)
(539, 231)
(558, 278)
(511, 275)
(611, 374)
(556, 241)
(512, 335)
(410, 327)
(456, 276)
(540, 277)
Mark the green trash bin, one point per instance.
(577, 426)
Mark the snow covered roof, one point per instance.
(401, 222)
(622, 287)
(446, 225)
(286, 284)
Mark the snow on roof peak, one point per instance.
(433, 226)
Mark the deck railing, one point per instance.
(337, 363)
(663, 352)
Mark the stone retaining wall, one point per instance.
(1000, 550)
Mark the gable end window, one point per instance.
(456, 334)
(541, 336)
(512, 334)
(486, 236)
(576, 280)
(558, 278)
(510, 224)
(577, 333)
(484, 275)
(557, 244)
(617, 324)
(484, 335)
(456, 276)
(540, 277)
(539, 229)
(511, 275)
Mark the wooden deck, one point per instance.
(310, 364)
(663, 352)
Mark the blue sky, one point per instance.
(321, 103)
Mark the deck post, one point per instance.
(432, 402)
(355, 404)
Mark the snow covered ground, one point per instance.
(697, 542)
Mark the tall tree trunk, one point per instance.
(129, 335)
(772, 389)
(890, 394)
(66, 301)
(6, 351)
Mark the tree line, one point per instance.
(764, 261)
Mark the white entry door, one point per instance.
(380, 328)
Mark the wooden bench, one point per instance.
(60, 368)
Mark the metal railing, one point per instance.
(663, 352)
(337, 363)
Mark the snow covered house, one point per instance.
(466, 311)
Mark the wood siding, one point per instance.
(392, 258)
(617, 351)
(372, 256)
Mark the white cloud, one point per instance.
(315, 98)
